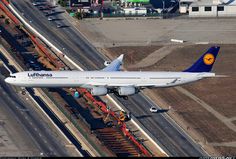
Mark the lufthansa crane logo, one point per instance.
(209, 59)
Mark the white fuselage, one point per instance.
(88, 79)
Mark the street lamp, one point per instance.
(163, 8)
(163, 5)
(102, 10)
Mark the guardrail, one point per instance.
(100, 104)
(123, 126)
(75, 123)
(9, 14)
(123, 15)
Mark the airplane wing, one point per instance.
(146, 85)
(115, 65)
(92, 84)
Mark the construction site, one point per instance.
(204, 110)
(103, 128)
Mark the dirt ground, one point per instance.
(205, 109)
(133, 54)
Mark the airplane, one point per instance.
(112, 80)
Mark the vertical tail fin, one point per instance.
(115, 64)
(205, 62)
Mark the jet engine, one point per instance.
(125, 91)
(76, 94)
(106, 63)
(98, 91)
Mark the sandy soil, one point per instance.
(218, 93)
(204, 109)
(133, 54)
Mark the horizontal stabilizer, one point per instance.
(222, 76)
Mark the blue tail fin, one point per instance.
(205, 62)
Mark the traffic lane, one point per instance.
(84, 45)
(178, 138)
(158, 135)
(141, 111)
(58, 122)
(18, 114)
(31, 122)
(46, 129)
(58, 39)
(195, 146)
(170, 137)
(32, 111)
(68, 37)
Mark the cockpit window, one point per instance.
(12, 76)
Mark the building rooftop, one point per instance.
(212, 2)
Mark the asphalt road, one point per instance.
(30, 121)
(164, 131)
(12, 41)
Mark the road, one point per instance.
(169, 136)
(52, 138)
(30, 121)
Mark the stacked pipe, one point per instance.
(85, 93)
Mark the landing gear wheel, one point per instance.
(125, 98)
(23, 92)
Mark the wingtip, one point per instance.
(121, 57)
(222, 76)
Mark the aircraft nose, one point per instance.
(7, 80)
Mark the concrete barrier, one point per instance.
(77, 66)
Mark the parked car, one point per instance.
(59, 25)
(50, 18)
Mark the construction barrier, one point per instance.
(103, 107)
(6, 2)
(44, 50)
(83, 91)
(8, 13)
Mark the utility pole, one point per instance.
(163, 8)
(101, 11)
(163, 5)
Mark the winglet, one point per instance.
(120, 58)
(205, 62)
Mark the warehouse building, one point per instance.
(213, 8)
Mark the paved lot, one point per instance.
(145, 32)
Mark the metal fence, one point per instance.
(75, 123)
(123, 15)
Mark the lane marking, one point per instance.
(66, 57)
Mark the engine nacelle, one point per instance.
(106, 63)
(98, 91)
(125, 91)
(76, 94)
